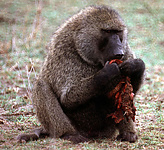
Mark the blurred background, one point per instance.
(26, 27)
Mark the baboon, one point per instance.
(70, 94)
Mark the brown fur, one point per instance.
(64, 95)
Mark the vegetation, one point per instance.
(25, 29)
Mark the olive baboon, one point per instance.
(70, 93)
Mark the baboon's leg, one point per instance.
(109, 132)
(49, 111)
(50, 114)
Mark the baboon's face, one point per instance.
(110, 45)
(102, 36)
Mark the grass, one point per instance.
(25, 29)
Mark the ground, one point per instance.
(25, 29)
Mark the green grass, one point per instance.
(25, 29)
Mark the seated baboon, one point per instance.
(70, 94)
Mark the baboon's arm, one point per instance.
(49, 111)
(98, 84)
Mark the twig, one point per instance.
(21, 113)
(36, 23)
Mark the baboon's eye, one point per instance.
(115, 31)
(106, 30)
(112, 31)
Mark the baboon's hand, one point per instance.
(111, 69)
(107, 74)
(127, 136)
(108, 77)
(132, 66)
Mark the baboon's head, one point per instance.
(101, 35)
